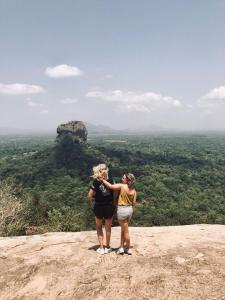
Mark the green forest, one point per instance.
(44, 184)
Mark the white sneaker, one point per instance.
(100, 251)
(108, 250)
(129, 251)
(120, 250)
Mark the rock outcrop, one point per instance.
(177, 262)
(75, 129)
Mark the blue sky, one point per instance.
(125, 64)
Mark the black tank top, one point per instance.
(102, 194)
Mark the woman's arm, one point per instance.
(91, 194)
(116, 186)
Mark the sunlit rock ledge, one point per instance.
(177, 262)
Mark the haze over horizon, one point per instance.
(122, 64)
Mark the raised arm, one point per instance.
(115, 187)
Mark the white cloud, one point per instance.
(217, 93)
(144, 102)
(213, 99)
(20, 89)
(44, 112)
(63, 71)
(68, 101)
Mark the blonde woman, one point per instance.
(103, 207)
(126, 202)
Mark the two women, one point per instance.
(126, 202)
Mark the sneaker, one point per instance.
(120, 250)
(108, 250)
(100, 251)
(129, 251)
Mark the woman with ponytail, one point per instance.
(126, 202)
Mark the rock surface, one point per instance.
(177, 262)
(76, 129)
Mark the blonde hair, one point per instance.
(130, 180)
(100, 171)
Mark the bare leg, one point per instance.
(99, 231)
(124, 226)
(108, 225)
(122, 240)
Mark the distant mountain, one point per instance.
(100, 129)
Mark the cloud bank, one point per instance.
(213, 99)
(143, 102)
(20, 89)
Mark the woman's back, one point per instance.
(127, 196)
(102, 194)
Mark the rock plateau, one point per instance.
(177, 262)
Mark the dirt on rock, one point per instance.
(177, 262)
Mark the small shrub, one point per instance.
(14, 210)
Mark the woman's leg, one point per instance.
(108, 226)
(126, 236)
(99, 231)
(122, 241)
